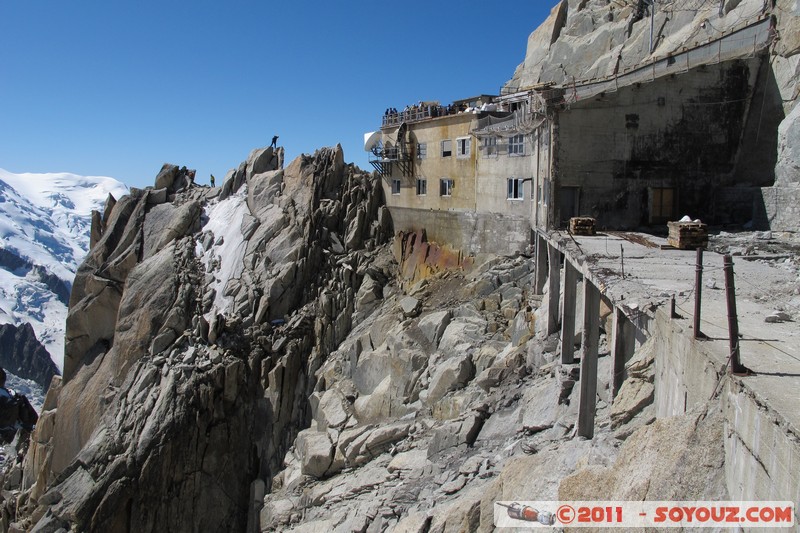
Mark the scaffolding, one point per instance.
(530, 114)
(387, 157)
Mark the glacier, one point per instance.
(45, 220)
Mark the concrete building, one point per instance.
(517, 151)
(467, 173)
(688, 134)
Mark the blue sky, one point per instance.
(119, 88)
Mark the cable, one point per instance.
(741, 335)
(774, 296)
(703, 320)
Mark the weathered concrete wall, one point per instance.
(471, 232)
(494, 170)
(758, 150)
(685, 374)
(762, 451)
(782, 207)
(493, 173)
(680, 132)
(435, 167)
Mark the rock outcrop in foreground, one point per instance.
(254, 357)
(434, 409)
(258, 357)
(195, 329)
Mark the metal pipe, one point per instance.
(698, 292)
(733, 323)
(652, 22)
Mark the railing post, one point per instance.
(621, 349)
(698, 292)
(733, 323)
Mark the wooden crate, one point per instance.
(582, 226)
(687, 235)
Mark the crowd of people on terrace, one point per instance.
(420, 111)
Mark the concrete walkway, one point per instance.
(652, 276)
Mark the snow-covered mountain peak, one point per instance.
(45, 220)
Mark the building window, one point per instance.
(446, 187)
(395, 186)
(462, 147)
(422, 186)
(516, 145)
(489, 146)
(447, 148)
(422, 150)
(516, 190)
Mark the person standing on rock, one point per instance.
(212, 180)
(274, 141)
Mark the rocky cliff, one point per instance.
(195, 329)
(257, 357)
(23, 355)
(587, 39)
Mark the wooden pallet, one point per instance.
(687, 235)
(582, 226)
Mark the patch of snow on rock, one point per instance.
(225, 223)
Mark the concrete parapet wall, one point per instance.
(685, 375)
(762, 450)
(760, 426)
(762, 453)
(471, 232)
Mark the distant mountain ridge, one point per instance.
(45, 220)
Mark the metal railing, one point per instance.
(417, 114)
(516, 123)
